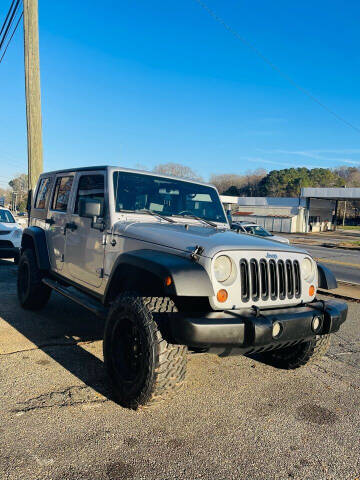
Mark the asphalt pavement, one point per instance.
(345, 264)
(237, 417)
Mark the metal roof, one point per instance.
(342, 193)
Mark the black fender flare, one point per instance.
(327, 279)
(188, 278)
(38, 239)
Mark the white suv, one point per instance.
(156, 257)
(254, 229)
(10, 235)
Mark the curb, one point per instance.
(341, 291)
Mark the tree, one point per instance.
(351, 175)
(176, 170)
(19, 186)
(288, 182)
(232, 184)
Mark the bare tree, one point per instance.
(177, 170)
(238, 184)
(351, 175)
(19, 186)
(227, 180)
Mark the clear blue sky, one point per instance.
(137, 83)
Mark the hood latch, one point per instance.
(198, 251)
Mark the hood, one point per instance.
(9, 227)
(213, 240)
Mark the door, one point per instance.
(57, 218)
(85, 245)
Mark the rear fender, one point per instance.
(34, 237)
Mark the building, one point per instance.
(314, 211)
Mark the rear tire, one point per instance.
(299, 355)
(32, 293)
(144, 367)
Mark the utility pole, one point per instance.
(32, 91)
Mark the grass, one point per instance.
(350, 227)
(353, 243)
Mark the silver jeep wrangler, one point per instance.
(156, 257)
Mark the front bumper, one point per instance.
(251, 331)
(8, 249)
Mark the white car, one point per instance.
(253, 229)
(10, 235)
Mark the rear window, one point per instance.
(62, 193)
(43, 193)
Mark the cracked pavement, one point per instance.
(237, 418)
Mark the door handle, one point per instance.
(50, 221)
(71, 226)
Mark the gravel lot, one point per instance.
(237, 418)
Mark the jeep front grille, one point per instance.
(264, 279)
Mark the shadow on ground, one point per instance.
(60, 329)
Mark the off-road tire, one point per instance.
(142, 365)
(299, 355)
(32, 293)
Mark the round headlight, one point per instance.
(222, 268)
(307, 268)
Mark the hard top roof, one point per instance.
(113, 168)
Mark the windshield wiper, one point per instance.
(190, 215)
(150, 212)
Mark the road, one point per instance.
(237, 418)
(345, 264)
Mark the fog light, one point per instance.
(316, 324)
(276, 329)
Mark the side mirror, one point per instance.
(89, 208)
(92, 208)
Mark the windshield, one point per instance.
(6, 217)
(134, 191)
(256, 230)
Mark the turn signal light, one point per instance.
(311, 290)
(168, 281)
(222, 295)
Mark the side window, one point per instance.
(90, 186)
(62, 193)
(43, 193)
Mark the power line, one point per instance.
(9, 23)
(17, 23)
(284, 75)
(7, 16)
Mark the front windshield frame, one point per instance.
(6, 214)
(255, 229)
(171, 197)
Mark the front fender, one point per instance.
(327, 279)
(188, 278)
